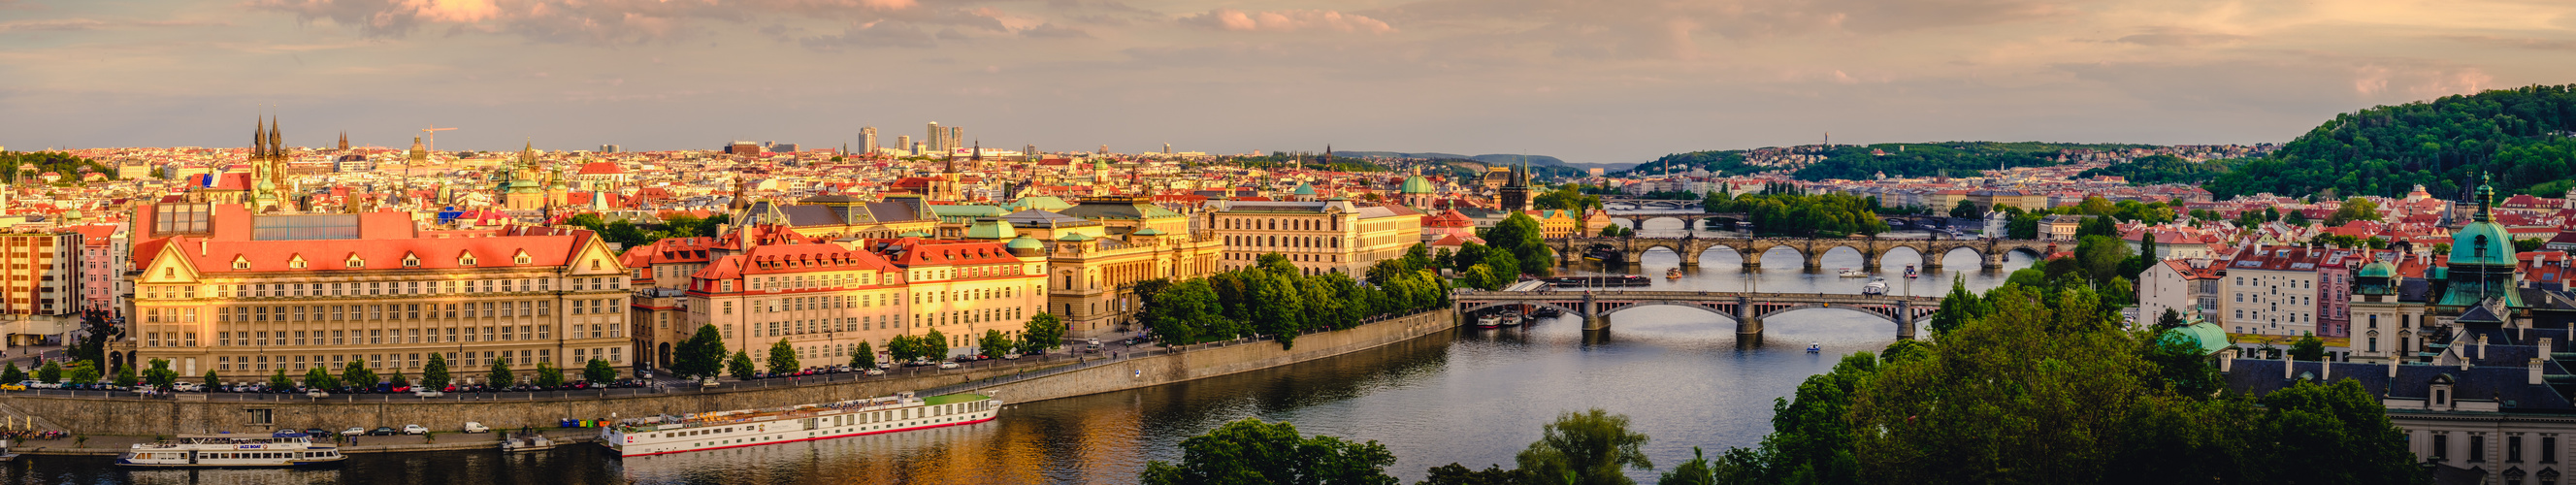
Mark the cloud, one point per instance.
(1287, 21)
(872, 35)
(2179, 37)
(90, 24)
(2522, 43)
(592, 21)
(1053, 31)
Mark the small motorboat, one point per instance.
(531, 442)
(1876, 286)
(1814, 348)
(1489, 321)
(1909, 272)
(1509, 320)
(1673, 274)
(1854, 273)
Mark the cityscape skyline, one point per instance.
(1617, 83)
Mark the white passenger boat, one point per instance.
(1854, 273)
(228, 450)
(522, 444)
(754, 427)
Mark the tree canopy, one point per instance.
(2518, 135)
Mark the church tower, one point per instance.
(1516, 191)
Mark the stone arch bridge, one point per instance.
(1990, 252)
(1747, 309)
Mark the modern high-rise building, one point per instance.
(868, 139)
(956, 138)
(609, 148)
(40, 302)
(905, 143)
(938, 139)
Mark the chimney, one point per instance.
(2545, 349)
(2392, 368)
(2482, 347)
(2227, 359)
(2288, 367)
(2535, 371)
(2325, 371)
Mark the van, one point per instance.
(474, 427)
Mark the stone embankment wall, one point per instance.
(1210, 362)
(150, 417)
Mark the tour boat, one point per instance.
(1876, 286)
(228, 450)
(1854, 273)
(1511, 320)
(805, 422)
(1909, 272)
(1673, 274)
(1489, 321)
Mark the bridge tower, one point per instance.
(1592, 318)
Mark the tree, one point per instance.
(903, 349)
(993, 345)
(933, 344)
(2354, 209)
(356, 373)
(126, 378)
(2295, 218)
(2100, 258)
(1043, 331)
(320, 378)
(782, 357)
(1455, 474)
(549, 376)
(1252, 452)
(213, 380)
(702, 355)
(1616, 230)
(2528, 245)
(11, 373)
(865, 357)
(2171, 319)
(1697, 471)
(1185, 313)
(598, 371)
(434, 374)
(51, 373)
(1957, 308)
(1520, 235)
(1590, 447)
(82, 372)
(279, 380)
(740, 366)
(2308, 348)
(1967, 209)
(2342, 418)
(397, 380)
(96, 332)
(500, 375)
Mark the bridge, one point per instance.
(1637, 220)
(1607, 202)
(1747, 309)
(1990, 252)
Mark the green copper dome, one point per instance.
(1415, 185)
(2378, 269)
(1025, 242)
(1303, 189)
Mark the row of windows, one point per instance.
(280, 290)
(844, 324)
(469, 359)
(1300, 224)
(300, 313)
(284, 338)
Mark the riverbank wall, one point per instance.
(1199, 363)
(163, 417)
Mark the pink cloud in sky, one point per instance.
(1287, 21)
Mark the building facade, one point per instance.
(42, 299)
(1319, 237)
(219, 289)
(825, 299)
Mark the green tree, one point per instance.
(397, 380)
(740, 366)
(320, 378)
(82, 372)
(903, 348)
(1455, 474)
(993, 345)
(158, 374)
(598, 371)
(10, 373)
(865, 357)
(50, 373)
(2169, 320)
(2528, 245)
(702, 355)
(356, 373)
(548, 375)
(1591, 448)
(2354, 209)
(1185, 312)
(126, 378)
(1967, 209)
(1520, 235)
(2101, 257)
(1698, 471)
(434, 374)
(213, 380)
(500, 374)
(782, 357)
(933, 344)
(279, 380)
(1957, 308)
(2342, 431)
(1042, 332)
(2308, 348)
(1252, 452)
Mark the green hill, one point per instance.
(2521, 137)
(1861, 162)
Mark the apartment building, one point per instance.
(41, 297)
(103, 254)
(219, 289)
(2272, 290)
(1319, 237)
(2189, 286)
(824, 299)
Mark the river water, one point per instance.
(1473, 396)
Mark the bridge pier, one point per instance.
(1869, 262)
(1994, 260)
(1592, 318)
(1815, 260)
(1748, 326)
(1904, 320)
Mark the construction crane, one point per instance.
(429, 137)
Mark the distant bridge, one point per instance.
(1747, 309)
(1637, 220)
(1612, 203)
(1990, 252)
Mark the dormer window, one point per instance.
(354, 262)
(466, 260)
(241, 263)
(296, 263)
(411, 261)
(521, 258)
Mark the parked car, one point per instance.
(875, 371)
(383, 431)
(474, 427)
(948, 365)
(415, 429)
(428, 393)
(353, 431)
(13, 387)
(316, 393)
(1011, 356)
(318, 432)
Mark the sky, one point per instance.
(1589, 81)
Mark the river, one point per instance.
(1474, 397)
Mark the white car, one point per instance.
(874, 371)
(426, 392)
(474, 427)
(415, 429)
(316, 393)
(354, 431)
(947, 365)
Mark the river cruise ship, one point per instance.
(754, 427)
(231, 451)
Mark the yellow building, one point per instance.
(841, 216)
(244, 296)
(1319, 237)
(824, 299)
(1099, 249)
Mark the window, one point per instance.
(2513, 449)
(2477, 445)
(2548, 449)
